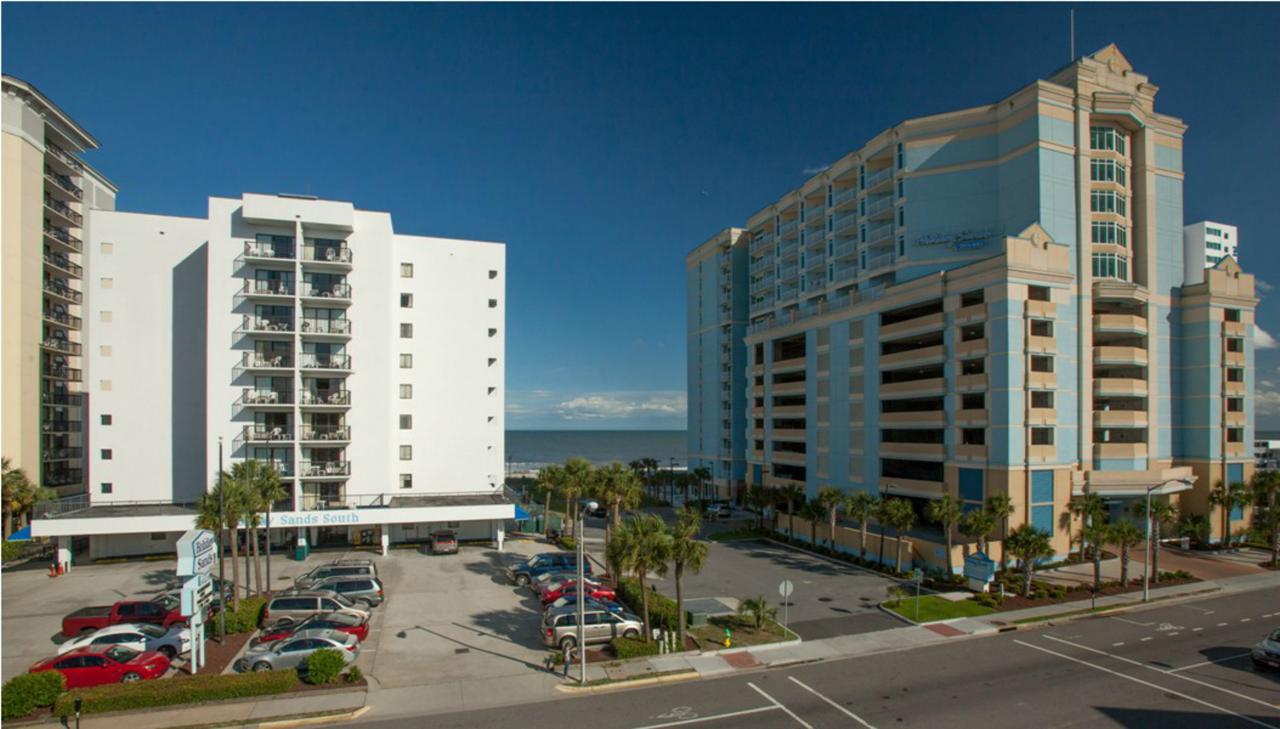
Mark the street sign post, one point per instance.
(197, 556)
(785, 588)
(917, 574)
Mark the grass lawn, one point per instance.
(933, 608)
(742, 629)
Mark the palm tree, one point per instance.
(550, 478)
(1264, 488)
(1162, 512)
(1125, 536)
(1090, 510)
(791, 494)
(759, 609)
(861, 505)
(898, 514)
(1266, 522)
(758, 497)
(811, 511)
(701, 475)
(1028, 544)
(687, 552)
(831, 499)
(946, 512)
(20, 495)
(977, 524)
(222, 514)
(1228, 497)
(263, 488)
(641, 546)
(619, 488)
(1097, 533)
(1001, 507)
(577, 482)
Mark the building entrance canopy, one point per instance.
(1118, 484)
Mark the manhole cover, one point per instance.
(824, 599)
(461, 650)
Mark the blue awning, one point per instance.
(24, 534)
(521, 514)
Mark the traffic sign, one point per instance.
(786, 588)
(917, 574)
(197, 553)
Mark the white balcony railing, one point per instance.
(336, 290)
(311, 360)
(319, 397)
(326, 326)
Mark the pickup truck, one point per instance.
(89, 619)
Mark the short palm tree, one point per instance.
(977, 525)
(642, 545)
(898, 514)
(687, 553)
(1266, 523)
(758, 497)
(832, 500)
(792, 494)
(759, 609)
(1125, 535)
(21, 495)
(550, 478)
(1090, 510)
(811, 511)
(577, 482)
(1028, 544)
(861, 505)
(946, 512)
(1001, 507)
(1227, 497)
(1162, 512)
(223, 515)
(1097, 533)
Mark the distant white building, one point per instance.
(367, 365)
(1208, 242)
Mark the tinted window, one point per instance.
(294, 603)
(129, 610)
(93, 661)
(73, 662)
(150, 610)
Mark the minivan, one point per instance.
(525, 572)
(337, 569)
(298, 606)
(560, 627)
(363, 591)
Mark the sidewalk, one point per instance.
(238, 713)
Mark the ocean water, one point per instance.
(532, 449)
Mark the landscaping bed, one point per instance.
(742, 632)
(1061, 593)
(934, 608)
(218, 657)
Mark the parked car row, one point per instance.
(553, 578)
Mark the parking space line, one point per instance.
(1245, 620)
(838, 707)
(1236, 694)
(1207, 663)
(695, 720)
(1221, 624)
(1196, 630)
(780, 705)
(1117, 645)
(1157, 687)
(1144, 640)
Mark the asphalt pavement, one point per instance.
(1171, 667)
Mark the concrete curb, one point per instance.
(892, 614)
(1079, 613)
(628, 683)
(314, 720)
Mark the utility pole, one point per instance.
(222, 523)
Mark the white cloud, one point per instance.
(1266, 399)
(815, 170)
(1262, 340)
(618, 405)
(1263, 286)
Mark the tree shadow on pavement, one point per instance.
(469, 646)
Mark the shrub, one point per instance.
(662, 609)
(176, 690)
(26, 692)
(244, 620)
(12, 551)
(323, 666)
(625, 648)
(355, 675)
(987, 599)
(568, 543)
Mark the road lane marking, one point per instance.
(840, 708)
(1196, 630)
(1157, 687)
(779, 704)
(1131, 622)
(681, 722)
(1117, 645)
(1221, 624)
(1193, 607)
(1174, 633)
(1207, 663)
(1167, 673)
(1144, 640)
(1245, 620)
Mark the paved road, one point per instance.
(1172, 667)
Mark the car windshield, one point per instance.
(343, 600)
(1275, 636)
(120, 654)
(168, 602)
(151, 631)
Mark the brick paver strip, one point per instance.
(740, 660)
(945, 630)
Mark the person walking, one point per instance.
(567, 655)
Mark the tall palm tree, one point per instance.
(861, 505)
(619, 488)
(1264, 488)
(1266, 522)
(550, 478)
(978, 524)
(1028, 544)
(831, 499)
(1090, 510)
(221, 515)
(758, 497)
(811, 511)
(702, 474)
(20, 495)
(687, 553)
(1001, 507)
(642, 546)
(1162, 512)
(898, 514)
(263, 488)
(1227, 497)
(1125, 536)
(1097, 533)
(791, 494)
(577, 482)
(946, 512)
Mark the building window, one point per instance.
(1235, 374)
(902, 158)
(406, 392)
(406, 301)
(104, 317)
(973, 436)
(406, 453)
(1041, 328)
(973, 401)
(1235, 404)
(406, 331)
(1231, 315)
(406, 480)
(1042, 436)
(1108, 201)
(971, 332)
(493, 303)
(107, 248)
(1041, 363)
(493, 273)
(1038, 293)
(1235, 435)
(106, 454)
(1106, 170)
(1235, 344)
(972, 366)
(1106, 138)
(1042, 398)
(1106, 231)
(406, 361)
(106, 282)
(493, 332)
(106, 420)
(1109, 265)
(104, 488)
(406, 270)
(972, 298)
(406, 422)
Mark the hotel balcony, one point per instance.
(1126, 323)
(61, 425)
(1119, 450)
(787, 272)
(268, 325)
(790, 249)
(324, 469)
(336, 258)
(875, 179)
(1233, 328)
(763, 264)
(263, 361)
(63, 399)
(875, 263)
(1120, 418)
(788, 293)
(840, 198)
(881, 208)
(58, 263)
(1233, 389)
(815, 260)
(62, 241)
(1119, 386)
(786, 230)
(63, 477)
(879, 234)
(324, 400)
(844, 273)
(326, 328)
(62, 158)
(266, 289)
(1232, 359)
(326, 433)
(1120, 355)
(845, 250)
(337, 293)
(62, 212)
(62, 372)
(265, 434)
(58, 289)
(842, 223)
(1042, 309)
(266, 399)
(322, 499)
(814, 237)
(62, 454)
(265, 252)
(1234, 419)
(61, 186)
(339, 362)
(62, 345)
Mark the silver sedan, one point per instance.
(292, 652)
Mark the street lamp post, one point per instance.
(1146, 564)
(222, 582)
(582, 591)
(883, 492)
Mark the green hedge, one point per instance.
(662, 609)
(323, 666)
(24, 693)
(244, 620)
(176, 690)
(625, 648)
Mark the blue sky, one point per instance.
(602, 143)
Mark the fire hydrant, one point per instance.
(728, 638)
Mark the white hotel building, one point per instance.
(366, 364)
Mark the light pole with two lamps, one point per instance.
(582, 591)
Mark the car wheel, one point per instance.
(632, 634)
(567, 644)
(168, 651)
(262, 666)
(522, 580)
(131, 677)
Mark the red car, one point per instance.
(341, 622)
(96, 666)
(595, 591)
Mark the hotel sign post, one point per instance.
(197, 554)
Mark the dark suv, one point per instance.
(527, 571)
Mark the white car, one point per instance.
(136, 636)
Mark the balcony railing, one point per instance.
(64, 237)
(266, 324)
(62, 372)
(879, 206)
(879, 233)
(326, 254)
(844, 273)
(764, 284)
(62, 454)
(57, 288)
(847, 248)
(59, 344)
(815, 236)
(337, 290)
(835, 303)
(788, 292)
(877, 178)
(815, 260)
(843, 196)
(844, 222)
(64, 210)
(58, 260)
(324, 502)
(63, 478)
(878, 262)
(326, 432)
(64, 183)
(63, 318)
(265, 249)
(253, 396)
(337, 397)
(326, 361)
(762, 264)
(786, 228)
(268, 287)
(265, 433)
(66, 157)
(320, 469)
(62, 399)
(326, 326)
(261, 360)
(61, 425)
